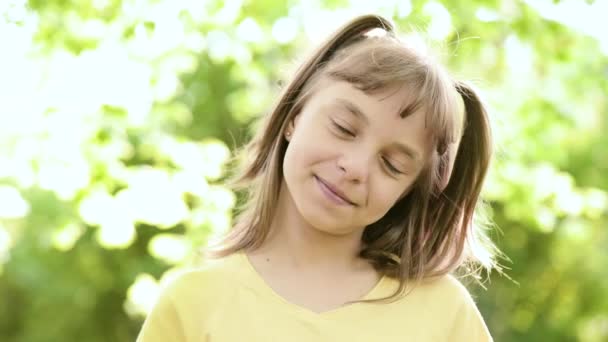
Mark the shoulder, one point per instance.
(448, 295)
(449, 305)
(204, 284)
(446, 291)
(463, 318)
(451, 290)
(186, 298)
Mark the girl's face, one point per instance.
(351, 156)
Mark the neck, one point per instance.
(292, 242)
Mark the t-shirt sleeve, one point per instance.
(163, 322)
(468, 324)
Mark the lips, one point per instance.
(335, 191)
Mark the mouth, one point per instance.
(334, 193)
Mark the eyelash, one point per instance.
(391, 168)
(343, 129)
(388, 164)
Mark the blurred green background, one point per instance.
(117, 118)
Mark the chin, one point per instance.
(325, 221)
(332, 230)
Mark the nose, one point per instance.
(355, 166)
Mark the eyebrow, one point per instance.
(357, 112)
(351, 107)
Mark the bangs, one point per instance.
(379, 63)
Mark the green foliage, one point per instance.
(117, 118)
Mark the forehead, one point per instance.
(394, 100)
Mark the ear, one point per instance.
(291, 127)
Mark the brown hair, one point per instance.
(427, 233)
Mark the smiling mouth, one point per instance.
(332, 193)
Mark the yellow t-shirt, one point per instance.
(229, 301)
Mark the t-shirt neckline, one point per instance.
(299, 309)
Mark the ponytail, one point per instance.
(454, 208)
(430, 232)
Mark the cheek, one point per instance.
(384, 195)
(309, 147)
(300, 154)
(300, 157)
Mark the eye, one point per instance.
(391, 167)
(343, 130)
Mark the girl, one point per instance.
(362, 185)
